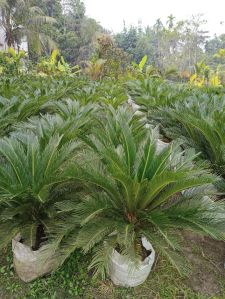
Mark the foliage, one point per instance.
(14, 110)
(20, 19)
(170, 45)
(55, 65)
(150, 93)
(141, 64)
(30, 86)
(199, 121)
(69, 121)
(12, 63)
(95, 69)
(141, 194)
(28, 171)
(74, 32)
(173, 48)
(116, 59)
(28, 96)
(95, 197)
(204, 76)
(32, 173)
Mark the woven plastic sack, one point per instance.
(30, 264)
(121, 272)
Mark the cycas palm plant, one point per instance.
(150, 94)
(70, 120)
(139, 194)
(15, 109)
(36, 99)
(106, 92)
(28, 87)
(32, 170)
(199, 122)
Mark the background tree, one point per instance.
(19, 19)
(175, 44)
(73, 32)
(116, 58)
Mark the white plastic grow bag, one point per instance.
(160, 145)
(121, 272)
(30, 264)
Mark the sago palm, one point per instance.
(18, 109)
(150, 94)
(138, 192)
(68, 119)
(31, 173)
(200, 123)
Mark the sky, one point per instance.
(112, 13)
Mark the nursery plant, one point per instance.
(15, 109)
(68, 118)
(27, 97)
(107, 91)
(29, 86)
(198, 121)
(150, 94)
(32, 171)
(139, 192)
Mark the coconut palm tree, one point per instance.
(19, 19)
(137, 192)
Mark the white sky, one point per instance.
(111, 13)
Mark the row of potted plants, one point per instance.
(95, 179)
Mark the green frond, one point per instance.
(202, 215)
(175, 257)
(101, 260)
(93, 206)
(8, 231)
(94, 232)
(179, 186)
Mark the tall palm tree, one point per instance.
(19, 19)
(170, 21)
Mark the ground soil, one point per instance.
(207, 258)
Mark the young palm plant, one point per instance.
(14, 110)
(149, 94)
(139, 194)
(200, 123)
(69, 119)
(31, 177)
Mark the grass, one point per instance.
(73, 281)
(70, 281)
